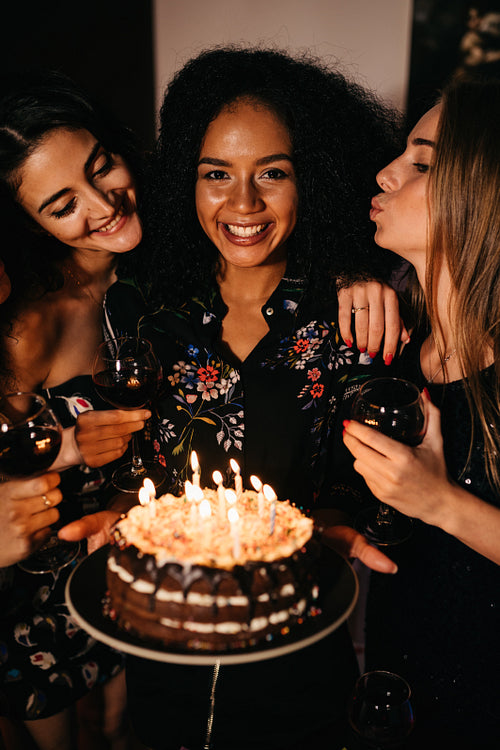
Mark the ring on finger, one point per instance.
(46, 501)
(357, 309)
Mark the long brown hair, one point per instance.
(464, 195)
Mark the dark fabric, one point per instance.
(273, 414)
(47, 661)
(437, 622)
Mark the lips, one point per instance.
(246, 234)
(375, 209)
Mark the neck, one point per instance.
(92, 268)
(247, 285)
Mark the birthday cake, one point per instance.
(207, 573)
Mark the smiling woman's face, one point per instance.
(246, 192)
(80, 193)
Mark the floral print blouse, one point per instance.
(272, 412)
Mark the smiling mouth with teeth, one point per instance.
(113, 222)
(250, 231)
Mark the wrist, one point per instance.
(69, 453)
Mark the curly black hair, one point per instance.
(341, 136)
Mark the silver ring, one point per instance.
(357, 309)
(46, 501)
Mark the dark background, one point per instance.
(106, 47)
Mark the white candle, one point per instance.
(234, 518)
(146, 500)
(188, 490)
(238, 481)
(195, 465)
(271, 497)
(205, 513)
(257, 485)
(230, 497)
(149, 486)
(217, 477)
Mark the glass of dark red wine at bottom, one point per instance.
(392, 406)
(30, 439)
(126, 374)
(380, 711)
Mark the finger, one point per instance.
(48, 500)
(392, 331)
(88, 526)
(350, 543)
(18, 489)
(109, 432)
(112, 416)
(344, 297)
(361, 325)
(370, 438)
(101, 459)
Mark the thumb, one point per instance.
(433, 419)
(85, 527)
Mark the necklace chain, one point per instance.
(79, 284)
(442, 365)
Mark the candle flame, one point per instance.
(217, 477)
(269, 493)
(232, 515)
(195, 464)
(205, 509)
(234, 465)
(231, 497)
(149, 486)
(256, 483)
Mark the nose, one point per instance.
(245, 197)
(100, 203)
(387, 177)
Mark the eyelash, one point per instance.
(68, 209)
(273, 174)
(423, 168)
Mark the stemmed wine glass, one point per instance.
(126, 374)
(392, 406)
(30, 439)
(380, 710)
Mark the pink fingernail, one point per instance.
(387, 359)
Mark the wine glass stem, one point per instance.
(384, 515)
(137, 465)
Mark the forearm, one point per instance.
(471, 520)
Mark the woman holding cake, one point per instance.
(437, 621)
(69, 210)
(257, 203)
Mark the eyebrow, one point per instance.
(62, 192)
(260, 162)
(423, 142)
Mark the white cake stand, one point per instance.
(86, 590)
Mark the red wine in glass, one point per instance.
(30, 439)
(394, 407)
(380, 710)
(126, 375)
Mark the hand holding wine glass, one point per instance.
(394, 407)
(30, 439)
(126, 374)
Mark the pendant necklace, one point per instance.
(442, 366)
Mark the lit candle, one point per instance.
(230, 497)
(195, 465)
(238, 481)
(234, 518)
(257, 485)
(149, 486)
(188, 490)
(217, 477)
(146, 500)
(271, 497)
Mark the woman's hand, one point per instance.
(376, 318)
(95, 528)
(412, 480)
(349, 543)
(103, 436)
(28, 510)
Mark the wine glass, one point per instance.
(380, 710)
(392, 406)
(126, 374)
(30, 439)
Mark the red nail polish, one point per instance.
(428, 395)
(346, 422)
(362, 349)
(372, 355)
(387, 359)
(348, 343)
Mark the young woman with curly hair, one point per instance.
(256, 208)
(437, 621)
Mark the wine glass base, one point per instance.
(383, 534)
(53, 555)
(128, 479)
